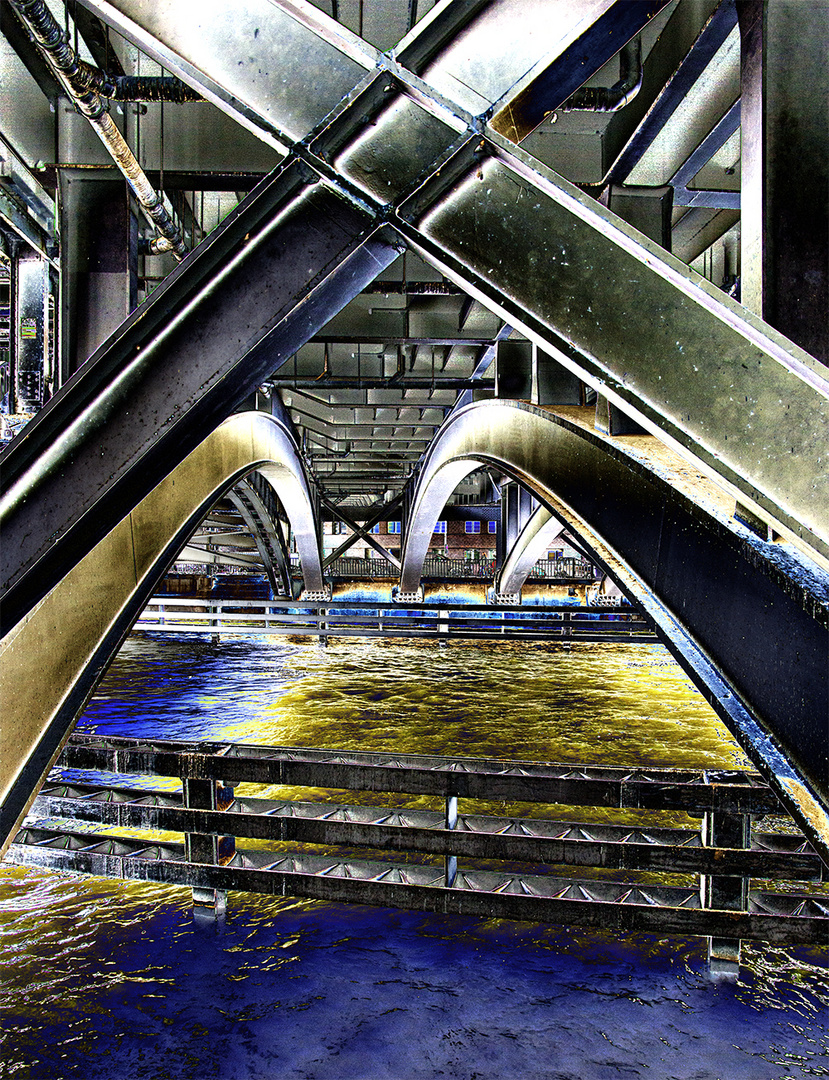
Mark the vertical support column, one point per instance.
(785, 168)
(514, 370)
(451, 861)
(8, 341)
(443, 634)
(322, 640)
(649, 211)
(552, 383)
(725, 893)
(99, 261)
(30, 319)
(207, 848)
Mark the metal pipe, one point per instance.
(82, 82)
(611, 98)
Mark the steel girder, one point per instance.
(399, 151)
(267, 279)
(533, 540)
(52, 659)
(653, 338)
(276, 270)
(745, 619)
(684, 360)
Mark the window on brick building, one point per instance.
(492, 526)
(394, 526)
(472, 526)
(440, 527)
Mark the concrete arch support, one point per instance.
(533, 540)
(747, 619)
(52, 659)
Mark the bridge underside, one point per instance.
(407, 222)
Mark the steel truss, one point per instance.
(535, 850)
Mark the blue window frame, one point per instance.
(472, 526)
(492, 526)
(440, 527)
(394, 526)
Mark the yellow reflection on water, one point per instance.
(609, 704)
(597, 704)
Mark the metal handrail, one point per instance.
(441, 567)
(358, 618)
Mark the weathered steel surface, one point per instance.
(540, 898)
(528, 854)
(471, 778)
(52, 659)
(532, 840)
(641, 327)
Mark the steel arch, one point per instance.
(745, 618)
(51, 661)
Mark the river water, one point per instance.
(104, 979)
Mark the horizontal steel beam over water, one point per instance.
(775, 917)
(533, 853)
(533, 840)
(419, 774)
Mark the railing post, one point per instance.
(726, 893)
(451, 861)
(207, 848)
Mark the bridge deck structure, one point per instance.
(415, 150)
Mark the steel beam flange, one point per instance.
(316, 596)
(413, 597)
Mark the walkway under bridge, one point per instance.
(408, 151)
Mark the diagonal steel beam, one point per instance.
(267, 280)
(298, 249)
(362, 532)
(292, 256)
(737, 397)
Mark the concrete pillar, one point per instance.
(98, 261)
(785, 167)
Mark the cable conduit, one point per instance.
(80, 78)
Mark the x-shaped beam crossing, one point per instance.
(385, 151)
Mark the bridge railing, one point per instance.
(448, 857)
(440, 568)
(352, 618)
